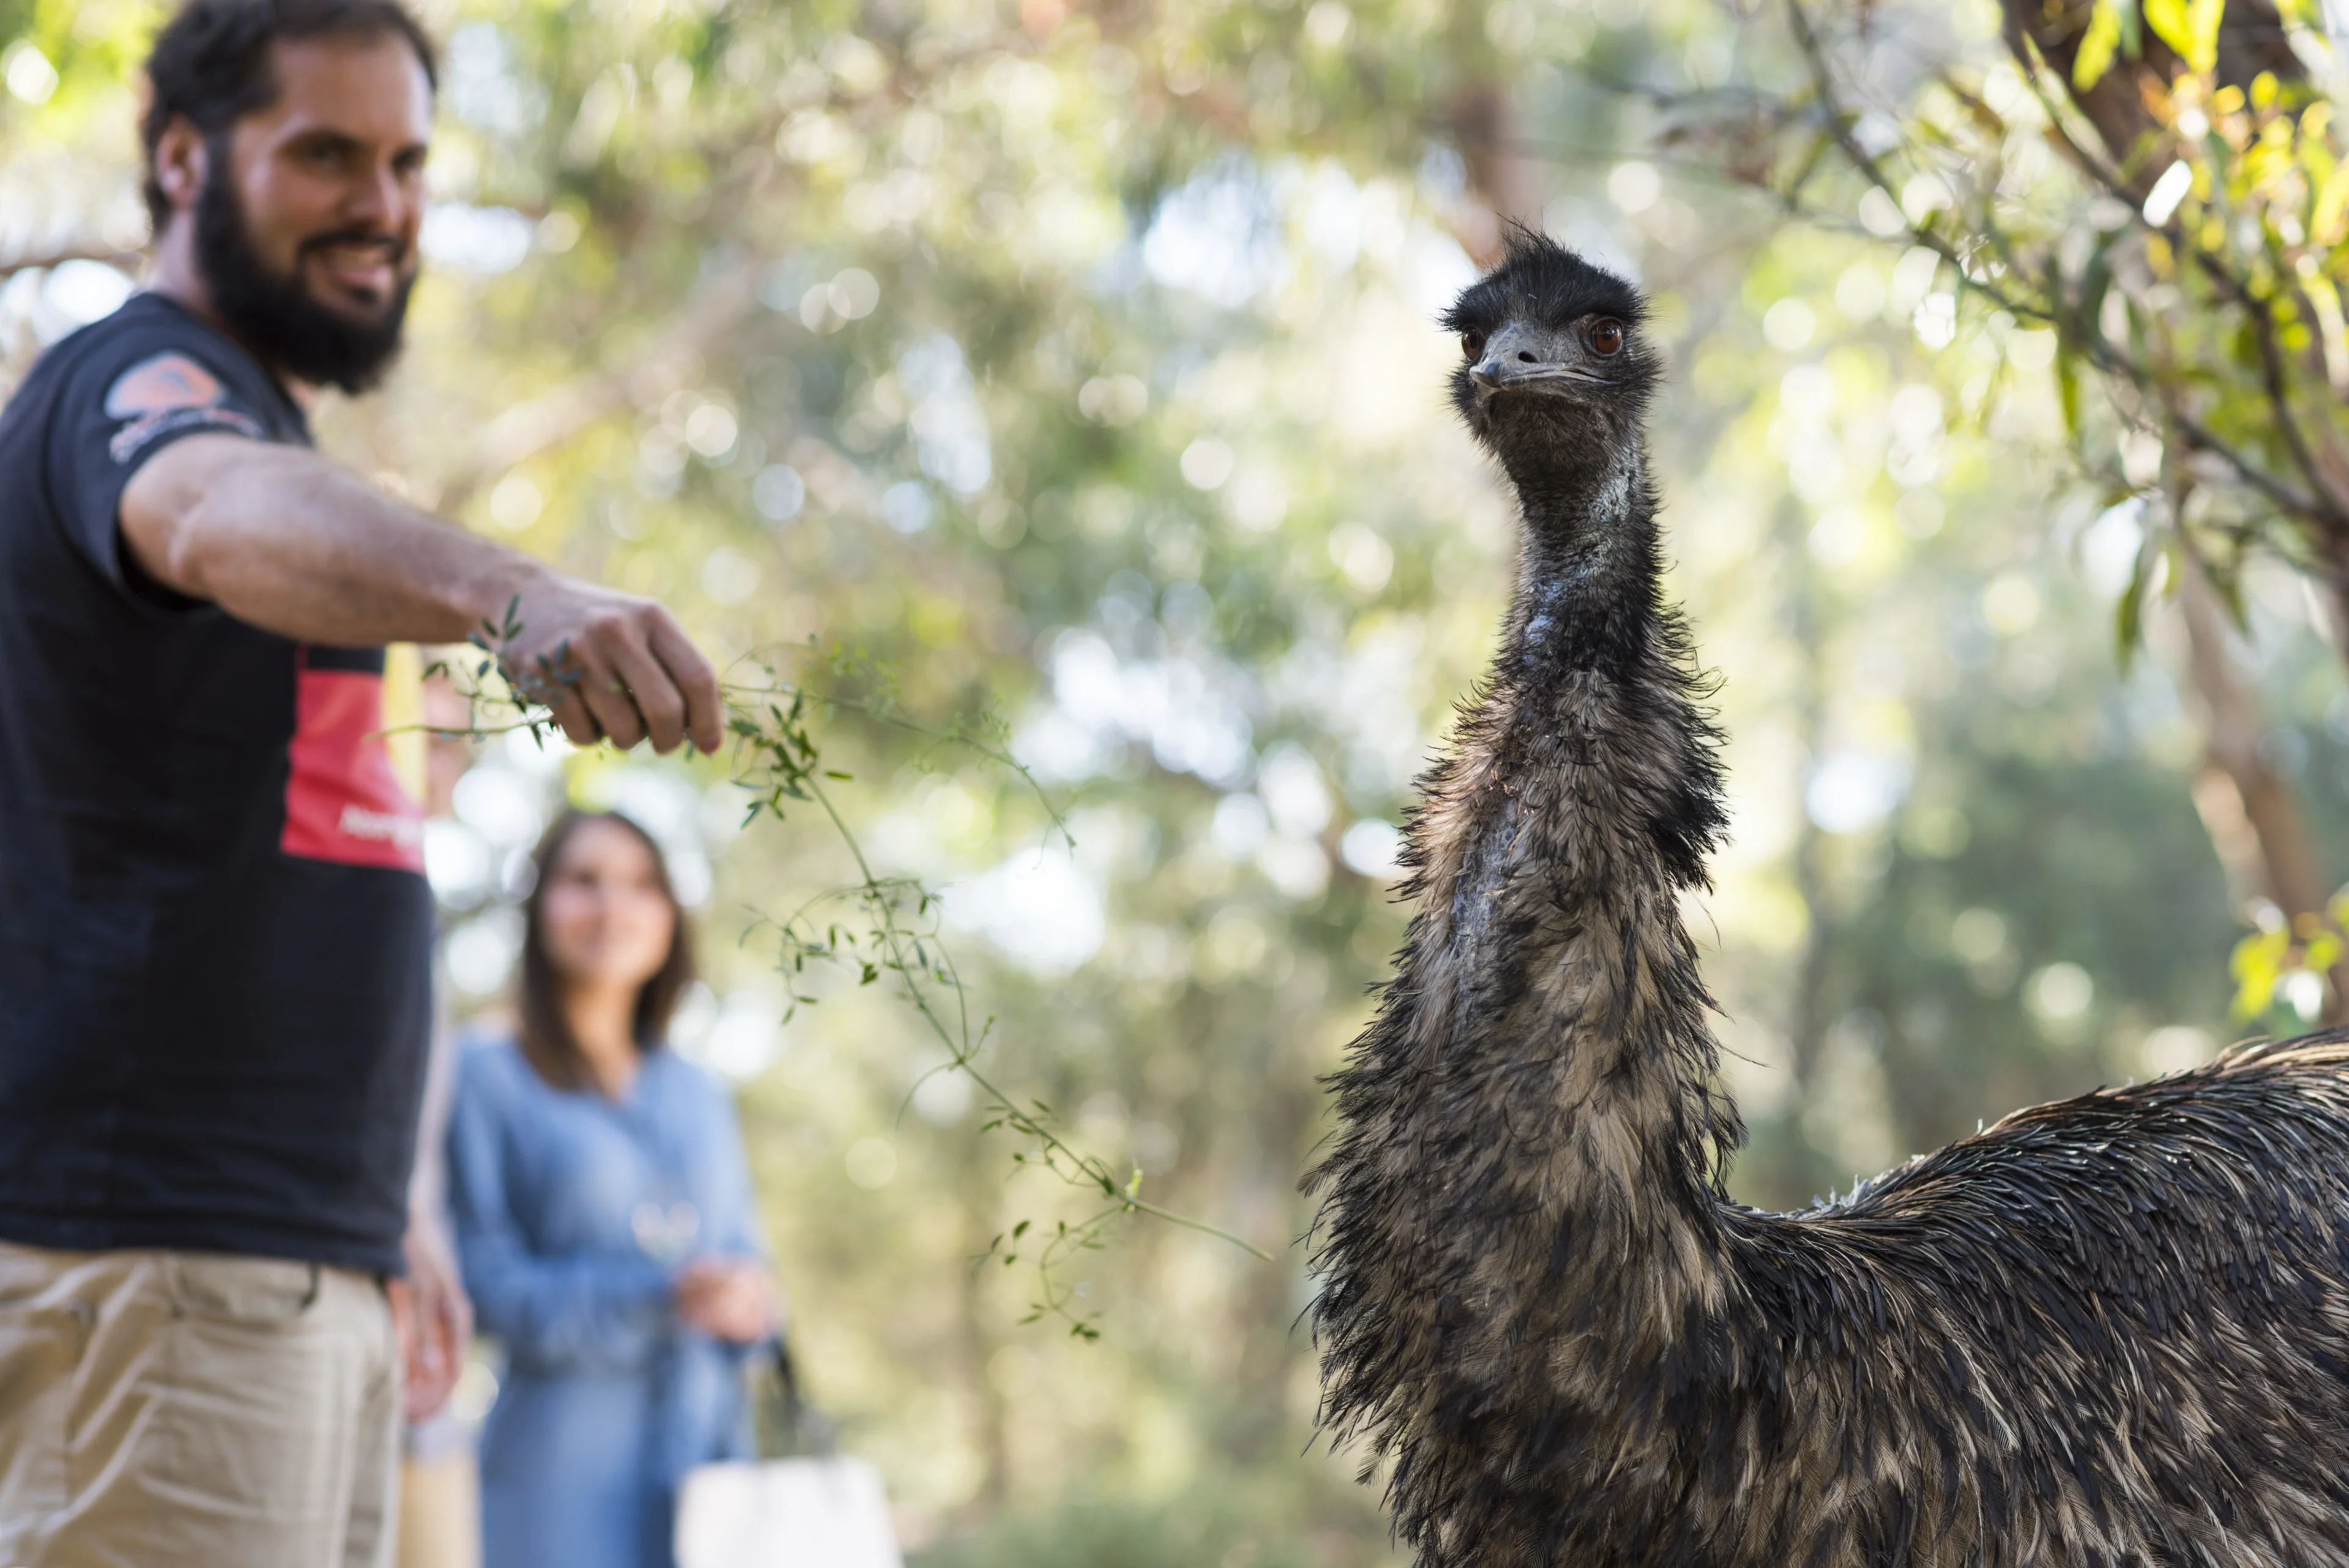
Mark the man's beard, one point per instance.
(274, 315)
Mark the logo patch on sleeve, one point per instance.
(165, 381)
(167, 392)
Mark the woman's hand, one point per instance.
(726, 1298)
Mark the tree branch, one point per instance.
(2276, 381)
(2308, 509)
(113, 255)
(557, 415)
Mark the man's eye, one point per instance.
(1472, 344)
(1606, 336)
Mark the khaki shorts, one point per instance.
(195, 1411)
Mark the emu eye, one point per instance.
(1606, 336)
(1472, 344)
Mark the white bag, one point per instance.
(821, 1511)
(785, 1513)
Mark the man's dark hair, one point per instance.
(211, 62)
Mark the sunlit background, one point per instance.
(1078, 364)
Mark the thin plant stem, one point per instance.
(780, 759)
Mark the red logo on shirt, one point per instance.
(164, 382)
(343, 801)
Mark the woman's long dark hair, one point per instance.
(547, 1042)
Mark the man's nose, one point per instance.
(381, 201)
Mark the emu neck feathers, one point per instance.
(1555, 842)
(1520, 1205)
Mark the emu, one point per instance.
(2109, 1331)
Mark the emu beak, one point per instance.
(1522, 356)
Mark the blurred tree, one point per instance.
(2185, 245)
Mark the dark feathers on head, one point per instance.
(1541, 281)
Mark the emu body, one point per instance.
(2110, 1331)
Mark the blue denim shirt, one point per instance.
(572, 1214)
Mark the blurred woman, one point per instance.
(604, 1221)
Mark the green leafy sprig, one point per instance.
(893, 927)
(896, 934)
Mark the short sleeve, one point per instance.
(135, 395)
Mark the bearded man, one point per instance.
(214, 931)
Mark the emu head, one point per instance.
(1555, 369)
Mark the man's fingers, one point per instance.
(657, 700)
(579, 726)
(608, 700)
(619, 669)
(538, 680)
(694, 680)
(585, 674)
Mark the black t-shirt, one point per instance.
(214, 934)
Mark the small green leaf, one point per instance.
(2067, 384)
(2098, 45)
(2188, 27)
(2128, 614)
(2257, 964)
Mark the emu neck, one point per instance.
(1519, 1224)
(1585, 783)
(1553, 984)
(1586, 569)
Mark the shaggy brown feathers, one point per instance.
(2112, 1330)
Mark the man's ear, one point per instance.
(180, 163)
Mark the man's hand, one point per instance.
(434, 1318)
(285, 540)
(726, 1298)
(612, 666)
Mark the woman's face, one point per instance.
(603, 917)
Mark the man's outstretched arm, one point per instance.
(285, 540)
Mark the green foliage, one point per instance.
(2192, 273)
(2306, 947)
(778, 759)
(2107, 27)
(2188, 27)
